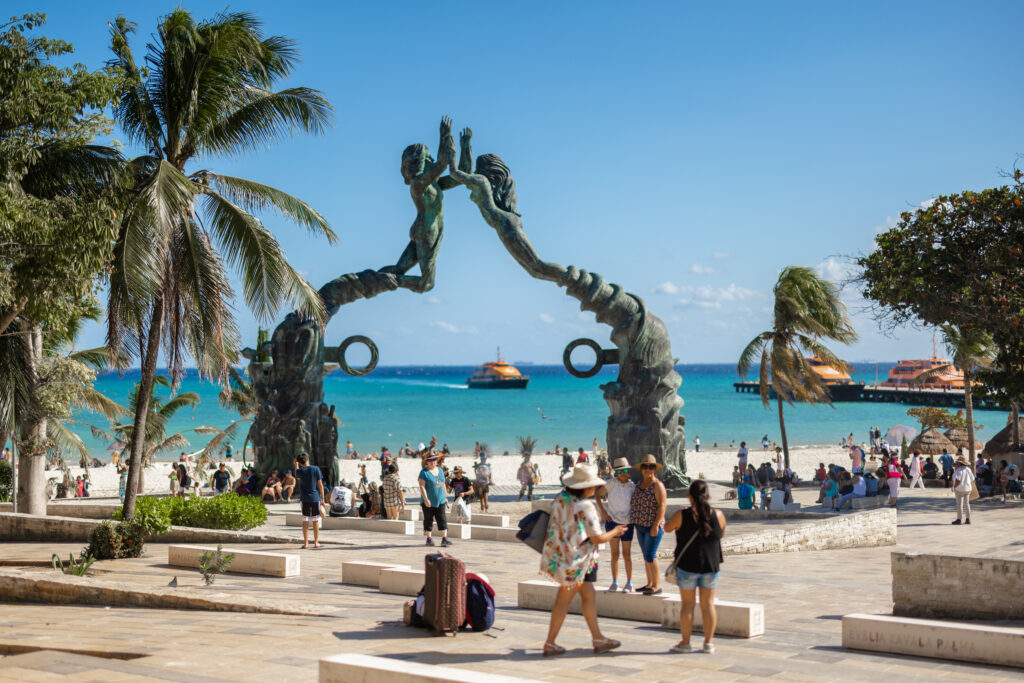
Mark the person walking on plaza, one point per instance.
(221, 480)
(698, 556)
(647, 515)
(311, 497)
(570, 555)
(915, 471)
(431, 481)
(894, 475)
(525, 477)
(963, 486)
(615, 512)
(483, 482)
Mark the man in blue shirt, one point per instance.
(946, 460)
(745, 493)
(311, 495)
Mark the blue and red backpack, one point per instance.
(479, 603)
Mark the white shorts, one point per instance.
(894, 487)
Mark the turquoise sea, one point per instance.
(395, 405)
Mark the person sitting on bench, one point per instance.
(341, 500)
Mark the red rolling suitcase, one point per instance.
(445, 592)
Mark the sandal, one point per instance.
(605, 645)
(552, 650)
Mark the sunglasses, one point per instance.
(648, 467)
(622, 471)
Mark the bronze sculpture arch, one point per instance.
(643, 400)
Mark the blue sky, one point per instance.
(685, 152)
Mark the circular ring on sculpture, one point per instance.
(567, 358)
(358, 372)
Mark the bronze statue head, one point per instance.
(415, 158)
(503, 187)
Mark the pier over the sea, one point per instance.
(875, 393)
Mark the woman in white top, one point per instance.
(615, 512)
(963, 485)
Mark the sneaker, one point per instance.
(445, 542)
(628, 588)
(968, 521)
(430, 541)
(709, 648)
(683, 648)
(614, 588)
(956, 521)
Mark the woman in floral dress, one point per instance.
(570, 554)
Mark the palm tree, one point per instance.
(807, 310)
(206, 90)
(971, 349)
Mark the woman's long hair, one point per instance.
(701, 497)
(503, 187)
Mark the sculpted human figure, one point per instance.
(422, 174)
(643, 400)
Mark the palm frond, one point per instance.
(176, 403)
(263, 116)
(99, 359)
(267, 278)
(257, 197)
(66, 439)
(96, 401)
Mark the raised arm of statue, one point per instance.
(445, 154)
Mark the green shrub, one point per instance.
(152, 513)
(110, 541)
(6, 481)
(226, 511)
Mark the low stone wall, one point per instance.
(957, 586)
(854, 530)
(20, 527)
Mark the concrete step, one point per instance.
(745, 620)
(485, 519)
(401, 581)
(959, 641)
(364, 573)
(244, 561)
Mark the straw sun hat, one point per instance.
(582, 477)
(649, 460)
(620, 464)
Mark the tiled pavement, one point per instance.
(804, 596)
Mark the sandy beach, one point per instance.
(714, 464)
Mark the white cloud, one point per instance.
(836, 270)
(667, 288)
(434, 300)
(706, 296)
(721, 255)
(702, 270)
(545, 318)
(454, 329)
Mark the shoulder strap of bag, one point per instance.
(675, 561)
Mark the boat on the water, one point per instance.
(840, 385)
(497, 375)
(904, 375)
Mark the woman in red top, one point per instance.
(894, 475)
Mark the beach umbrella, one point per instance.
(932, 442)
(896, 433)
(958, 435)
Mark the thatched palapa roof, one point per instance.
(932, 442)
(1002, 442)
(958, 435)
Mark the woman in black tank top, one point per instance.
(699, 531)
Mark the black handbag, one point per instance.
(533, 529)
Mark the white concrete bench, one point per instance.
(401, 581)
(495, 533)
(362, 573)
(958, 641)
(734, 618)
(544, 505)
(244, 562)
(868, 502)
(357, 668)
(388, 526)
(461, 531)
(791, 507)
(411, 514)
(742, 619)
(484, 519)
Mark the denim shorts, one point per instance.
(689, 581)
(648, 544)
(627, 537)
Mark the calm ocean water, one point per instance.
(399, 404)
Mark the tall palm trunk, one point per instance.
(138, 445)
(969, 408)
(32, 455)
(782, 429)
(1015, 414)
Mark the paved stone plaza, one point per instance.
(804, 595)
